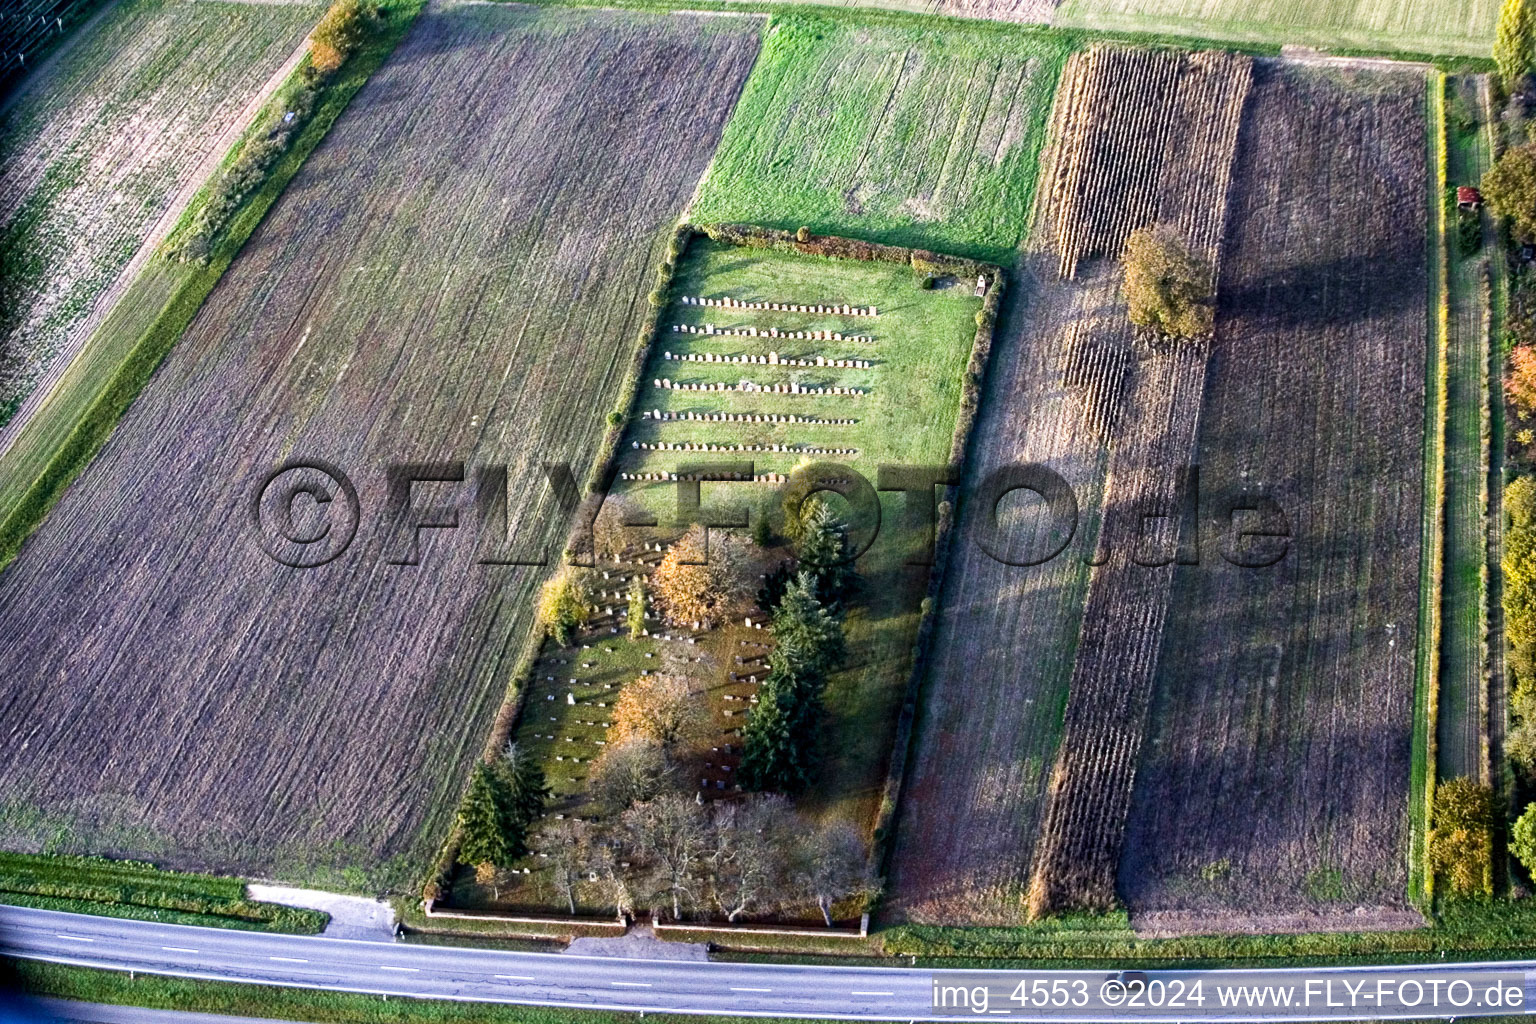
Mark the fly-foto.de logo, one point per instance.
(306, 513)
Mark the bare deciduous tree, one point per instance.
(831, 866)
(671, 834)
(567, 850)
(629, 770)
(748, 864)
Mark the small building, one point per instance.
(1468, 198)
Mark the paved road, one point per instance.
(867, 993)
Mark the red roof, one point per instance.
(1468, 194)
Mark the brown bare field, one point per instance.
(457, 273)
(1275, 775)
(1003, 655)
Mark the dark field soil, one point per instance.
(1276, 770)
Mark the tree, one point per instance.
(564, 606)
(831, 866)
(747, 863)
(634, 617)
(1519, 565)
(662, 708)
(1509, 188)
(1168, 288)
(612, 886)
(629, 771)
(823, 549)
(780, 743)
(610, 536)
(1520, 381)
(566, 849)
(687, 586)
(521, 794)
(813, 631)
(489, 876)
(671, 834)
(1514, 45)
(1461, 841)
(482, 839)
(1522, 838)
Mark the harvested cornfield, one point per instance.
(1121, 633)
(1277, 765)
(1001, 654)
(1169, 164)
(101, 147)
(457, 274)
(1141, 137)
(984, 786)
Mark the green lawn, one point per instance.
(891, 131)
(1453, 27)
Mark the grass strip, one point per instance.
(130, 889)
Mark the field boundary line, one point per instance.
(1426, 703)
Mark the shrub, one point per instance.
(1519, 565)
(1461, 841)
(1509, 188)
(1514, 45)
(339, 34)
(1522, 838)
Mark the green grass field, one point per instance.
(890, 131)
(1452, 27)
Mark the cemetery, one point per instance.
(890, 394)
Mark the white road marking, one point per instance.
(631, 984)
(734, 989)
(872, 993)
(178, 949)
(512, 977)
(386, 967)
(72, 938)
(288, 959)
